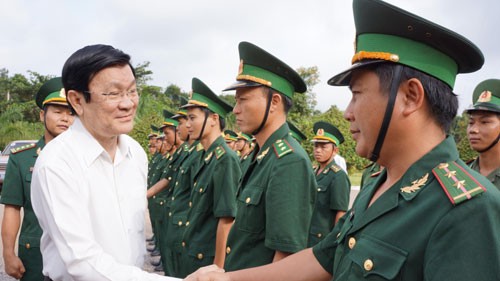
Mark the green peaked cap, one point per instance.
(168, 120)
(258, 67)
(385, 33)
(202, 96)
(182, 112)
(487, 96)
(295, 132)
(326, 132)
(230, 135)
(154, 132)
(243, 136)
(51, 92)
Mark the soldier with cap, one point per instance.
(334, 187)
(276, 195)
(483, 130)
(244, 147)
(231, 137)
(212, 203)
(295, 132)
(427, 216)
(56, 117)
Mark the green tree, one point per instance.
(459, 132)
(142, 74)
(304, 104)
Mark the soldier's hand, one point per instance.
(14, 266)
(208, 273)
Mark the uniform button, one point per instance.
(194, 183)
(154, 196)
(228, 250)
(201, 190)
(176, 183)
(179, 223)
(183, 244)
(161, 203)
(320, 235)
(28, 245)
(200, 256)
(368, 265)
(190, 204)
(173, 198)
(319, 190)
(187, 223)
(169, 178)
(352, 242)
(338, 235)
(169, 214)
(248, 200)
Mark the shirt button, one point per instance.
(183, 244)
(228, 250)
(319, 235)
(169, 178)
(194, 183)
(190, 204)
(169, 214)
(352, 242)
(28, 245)
(200, 256)
(319, 190)
(179, 223)
(161, 203)
(154, 196)
(176, 183)
(368, 265)
(187, 223)
(201, 190)
(173, 198)
(248, 200)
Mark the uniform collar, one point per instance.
(210, 151)
(281, 133)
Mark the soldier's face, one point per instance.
(182, 129)
(194, 124)
(57, 119)
(365, 110)
(250, 108)
(483, 129)
(240, 144)
(323, 152)
(169, 135)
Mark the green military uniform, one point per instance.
(245, 160)
(296, 133)
(334, 187)
(413, 227)
(370, 173)
(439, 221)
(214, 189)
(486, 97)
(276, 195)
(16, 188)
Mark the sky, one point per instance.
(185, 39)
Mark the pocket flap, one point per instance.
(250, 195)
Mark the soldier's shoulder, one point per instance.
(22, 148)
(282, 147)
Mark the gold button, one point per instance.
(194, 183)
(190, 204)
(183, 244)
(187, 223)
(368, 265)
(228, 250)
(169, 214)
(247, 200)
(173, 198)
(169, 178)
(179, 223)
(176, 183)
(201, 190)
(161, 203)
(338, 235)
(319, 190)
(154, 196)
(28, 245)
(200, 256)
(319, 235)
(352, 242)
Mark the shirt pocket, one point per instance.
(251, 210)
(374, 259)
(201, 198)
(322, 195)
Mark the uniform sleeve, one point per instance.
(57, 204)
(465, 245)
(289, 205)
(340, 189)
(226, 177)
(324, 251)
(12, 189)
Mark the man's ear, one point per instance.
(76, 100)
(276, 101)
(414, 96)
(42, 116)
(214, 117)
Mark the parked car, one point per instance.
(4, 156)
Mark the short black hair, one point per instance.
(222, 122)
(84, 64)
(442, 101)
(287, 102)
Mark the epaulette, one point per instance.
(335, 168)
(456, 182)
(22, 148)
(281, 148)
(219, 151)
(199, 147)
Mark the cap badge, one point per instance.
(240, 67)
(485, 97)
(62, 93)
(320, 132)
(190, 94)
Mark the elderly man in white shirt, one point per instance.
(89, 184)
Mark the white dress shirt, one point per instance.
(339, 160)
(90, 208)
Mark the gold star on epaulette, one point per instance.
(263, 154)
(451, 174)
(459, 184)
(415, 185)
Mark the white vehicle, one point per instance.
(4, 156)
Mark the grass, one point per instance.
(355, 178)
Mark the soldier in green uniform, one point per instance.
(56, 117)
(483, 130)
(244, 147)
(230, 137)
(212, 202)
(334, 187)
(157, 142)
(428, 216)
(296, 133)
(276, 195)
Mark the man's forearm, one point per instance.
(10, 227)
(223, 228)
(157, 187)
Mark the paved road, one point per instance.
(147, 265)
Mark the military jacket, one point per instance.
(438, 222)
(370, 173)
(275, 203)
(158, 202)
(494, 177)
(212, 197)
(152, 167)
(333, 189)
(245, 162)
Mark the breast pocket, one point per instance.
(322, 197)
(202, 200)
(376, 260)
(251, 210)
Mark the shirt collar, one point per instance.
(281, 133)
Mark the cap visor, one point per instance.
(242, 84)
(344, 78)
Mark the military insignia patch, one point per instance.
(190, 94)
(240, 67)
(263, 154)
(416, 184)
(22, 148)
(335, 168)
(320, 132)
(457, 183)
(209, 156)
(199, 147)
(62, 93)
(219, 151)
(282, 148)
(484, 97)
